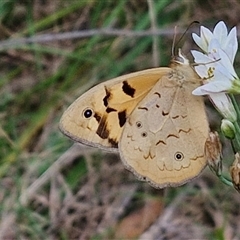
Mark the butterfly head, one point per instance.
(180, 59)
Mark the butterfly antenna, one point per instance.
(180, 39)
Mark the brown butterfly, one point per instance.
(151, 118)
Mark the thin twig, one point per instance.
(43, 38)
(155, 48)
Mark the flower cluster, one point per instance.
(215, 67)
(220, 81)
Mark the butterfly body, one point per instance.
(151, 118)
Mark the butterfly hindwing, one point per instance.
(167, 132)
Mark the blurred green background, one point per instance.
(50, 56)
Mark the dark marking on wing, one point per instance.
(113, 142)
(109, 109)
(157, 93)
(185, 131)
(195, 158)
(165, 113)
(97, 117)
(106, 98)
(122, 117)
(172, 135)
(102, 130)
(143, 108)
(157, 106)
(160, 141)
(177, 116)
(127, 89)
(149, 156)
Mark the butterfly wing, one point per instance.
(98, 116)
(163, 139)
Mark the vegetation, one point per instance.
(52, 52)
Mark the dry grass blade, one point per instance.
(62, 162)
(52, 52)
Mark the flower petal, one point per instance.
(212, 87)
(200, 58)
(231, 44)
(220, 32)
(199, 42)
(223, 104)
(204, 38)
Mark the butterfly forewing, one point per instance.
(98, 117)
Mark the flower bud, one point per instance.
(213, 153)
(228, 129)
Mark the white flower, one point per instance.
(217, 73)
(215, 67)
(228, 42)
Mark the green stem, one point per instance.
(237, 136)
(218, 171)
(235, 104)
(226, 181)
(236, 123)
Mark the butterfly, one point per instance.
(150, 118)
